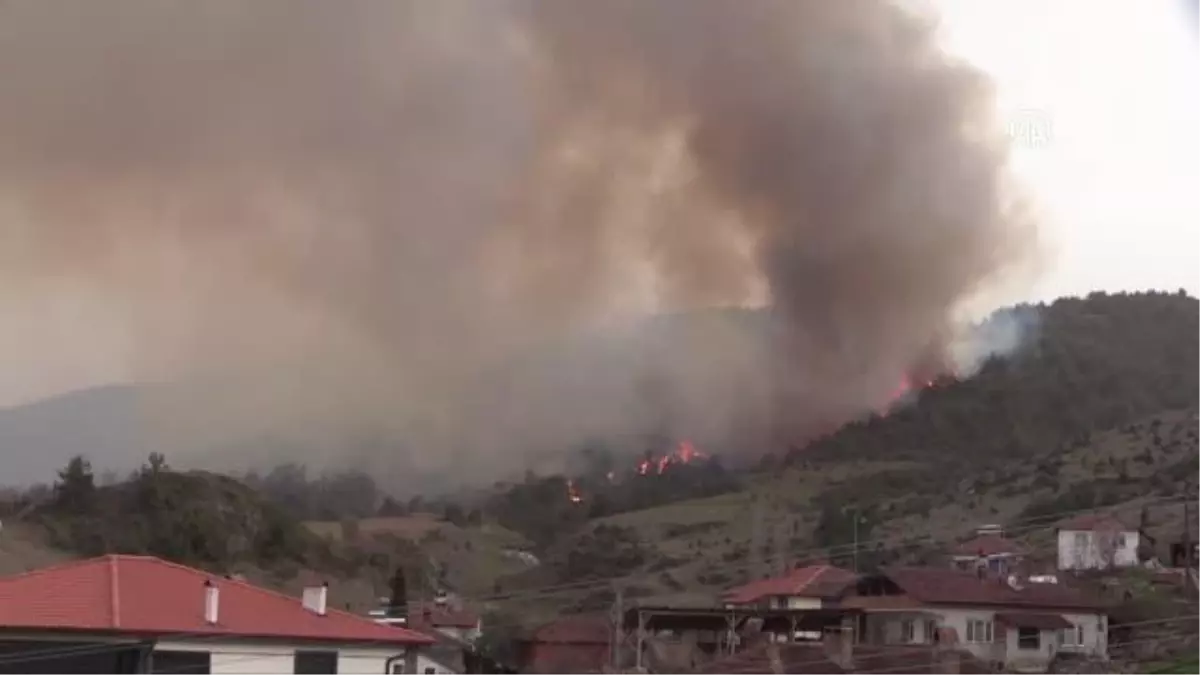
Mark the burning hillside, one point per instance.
(684, 453)
(429, 192)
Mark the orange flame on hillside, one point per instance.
(684, 453)
(903, 389)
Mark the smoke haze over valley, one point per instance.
(438, 231)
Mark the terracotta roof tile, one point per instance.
(814, 581)
(141, 594)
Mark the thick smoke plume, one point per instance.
(440, 221)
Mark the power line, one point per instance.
(813, 554)
(203, 638)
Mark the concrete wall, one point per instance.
(1085, 549)
(887, 628)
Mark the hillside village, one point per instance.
(853, 554)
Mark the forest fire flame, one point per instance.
(684, 453)
(904, 388)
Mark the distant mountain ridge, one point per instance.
(105, 423)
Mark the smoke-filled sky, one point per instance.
(338, 215)
(1112, 84)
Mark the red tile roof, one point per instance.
(145, 595)
(988, 544)
(815, 581)
(931, 585)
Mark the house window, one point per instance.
(313, 662)
(931, 631)
(1073, 636)
(168, 661)
(430, 671)
(979, 631)
(907, 631)
(1120, 541)
(1029, 638)
(398, 668)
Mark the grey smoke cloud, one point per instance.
(442, 219)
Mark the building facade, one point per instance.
(1098, 542)
(138, 614)
(1005, 622)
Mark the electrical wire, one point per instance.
(816, 554)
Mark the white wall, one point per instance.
(234, 657)
(798, 602)
(250, 657)
(1086, 549)
(1095, 634)
(886, 626)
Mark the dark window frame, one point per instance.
(1029, 638)
(315, 662)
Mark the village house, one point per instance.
(1003, 621)
(139, 614)
(453, 628)
(571, 644)
(990, 549)
(810, 587)
(1091, 542)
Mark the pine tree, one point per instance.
(398, 604)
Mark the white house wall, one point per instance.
(1092, 553)
(1095, 634)
(798, 602)
(244, 657)
(367, 660)
(886, 627)
(234, 657)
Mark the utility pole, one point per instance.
(854, 512)
(618, 628)
(756, 536)
(781, 547)
(1188, 560)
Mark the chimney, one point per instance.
(212, 599)
(315, 599)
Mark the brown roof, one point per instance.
(576, 629)
(1030, 620)
(936, 586)
(814, 581)
(988, 544)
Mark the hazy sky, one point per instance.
(1112, 86)
(1102, 100)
